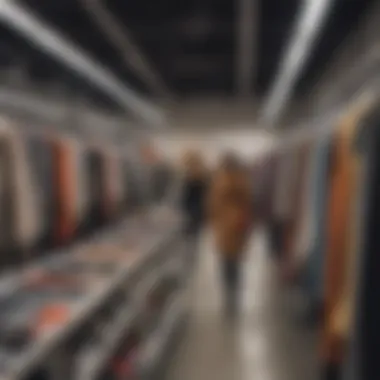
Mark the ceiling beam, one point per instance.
(52, 43)
(307, 29)
(121, 39)
(246, 45)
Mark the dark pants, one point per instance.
(192, 241)
(192, 234)
(331, 372)
(231, 283)
(276, 238)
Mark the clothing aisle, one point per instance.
(265, 343)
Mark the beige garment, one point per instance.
(27, 214)
(343, 316)
(74, 164)
(230, 206)
(339, 283)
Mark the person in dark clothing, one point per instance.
(194, 191)
(192, 203)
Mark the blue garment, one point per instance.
(320, 184)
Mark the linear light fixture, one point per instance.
(55, 45)
(309, 24)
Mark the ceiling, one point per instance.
(192, 44)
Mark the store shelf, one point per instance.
(19, 366)
(93, 363)
(155, 346)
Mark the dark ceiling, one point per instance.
(191, 43)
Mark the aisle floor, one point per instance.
(266, 343)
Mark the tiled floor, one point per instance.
(266, 343)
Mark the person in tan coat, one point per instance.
(230, 214)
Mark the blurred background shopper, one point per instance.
(194, 190)
(193, 199)
(230, 212)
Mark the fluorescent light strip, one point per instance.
(53, 44)
(310, 22)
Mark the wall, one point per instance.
(248, 143)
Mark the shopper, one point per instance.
(194, 191)
(230, 212)
(161, 181)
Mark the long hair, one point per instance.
(230, 162)
(194, 165)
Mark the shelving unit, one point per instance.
(157, 344)
(105, 306)
(96, 357)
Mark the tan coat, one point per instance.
(230, 211)
(341, 242)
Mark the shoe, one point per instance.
(331, 372)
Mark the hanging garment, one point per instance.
(30, 221)
(131, 193)
(302, 229)
(283, 186)
(287, 202)
(41, 167)
(109, 185)
(65, 190)
(365, 335)
(304, 223)
(301, 157)
(316, 240)
(340, 202)
(82, 199)
(119, 184)
(20, 218)
(95, 184)
(341, 319)
(114, 183)
(7, 203)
